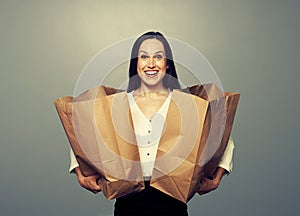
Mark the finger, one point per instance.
(204, 179)
(96, 187)
(203, 192)
(95, 191)
(93, 185)
(91, 190)
(91, 179)
(94, 177)
(98, 179)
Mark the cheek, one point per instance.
(162, 65)
(140, 65)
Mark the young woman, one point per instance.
(153, 77)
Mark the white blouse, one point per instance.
(148, 133)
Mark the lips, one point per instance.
(151, 73)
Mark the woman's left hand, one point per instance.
(207, 185)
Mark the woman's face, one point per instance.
(152, 63)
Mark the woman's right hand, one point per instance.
(90, 182)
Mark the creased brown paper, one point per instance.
(99, 127)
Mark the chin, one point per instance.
(152, 83)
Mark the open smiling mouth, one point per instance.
(151, 73)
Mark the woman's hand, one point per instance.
(90, 183)
(207, 185)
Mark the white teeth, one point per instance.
(151, 72)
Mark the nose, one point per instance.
(151, 62)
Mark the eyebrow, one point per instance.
(154, 53)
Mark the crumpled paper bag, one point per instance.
(99, 127)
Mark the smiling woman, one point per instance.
(152, 53)
(152, 79)
(151, 64)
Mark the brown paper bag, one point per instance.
(99, 127)
(119, 175)
(213, 94)
(212, 138)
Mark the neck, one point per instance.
(150, 91)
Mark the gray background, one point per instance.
(252, 45)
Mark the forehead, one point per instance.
(152, 46)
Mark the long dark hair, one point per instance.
(170, 80)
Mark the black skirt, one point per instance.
(149, 201)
